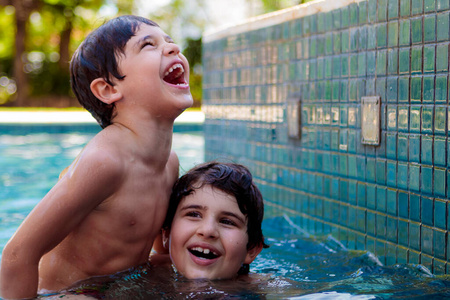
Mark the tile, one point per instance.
(344, 66)
(403, 89)
(429, 59)
(391, 173)
(426, 180)
(392, 59)
(362, 12)
(392, 117)
(414, 119)
(381, 171)
(362, 67)
(439, 182)
(414, 148)
(429, 28)
(413, 256)
(371, 196)
(404, 32)
(440, 151)
(428, 90)
(391, 146)
(372, 11)
(448, 186)
(429, 6)
(442, 5)
(442, 58)
(404, 61)
(391, 202)
(403, 205)
(353, 14)
(361, 194)
(402, 255)
(352, 97)
(380, 226)
(442, 23)
(416, 30)
(403, 228)
(414, 236)
(391, 229)
(440, 91)
(371, 63)
(439, 267)
(416, 60)
(416, 7)
(403, 118)
(382, 10)
(354, 39)
(370, 223)
(381, 32)
(402, 147)
(427, 150)
(414, 207)
(336, 42)
(371, 37)
(427, 241)
(345, 41)
(440, 120)
(416, 95)
(402, 175)
(381, 62)
(405, 8)
(414, 177)
(439, 246)
(380, 90)
(427, 119)
(336, 18)
(393, 9)
(328, 43)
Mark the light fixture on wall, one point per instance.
(293, 115)
(370, 120)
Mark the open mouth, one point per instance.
(203, 253)
(175, 75)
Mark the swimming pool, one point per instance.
(296, 266)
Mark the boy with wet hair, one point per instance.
(107, 209)
(213, 225)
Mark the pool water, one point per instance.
(296, 266)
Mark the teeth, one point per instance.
(175, 66)
(200, 249)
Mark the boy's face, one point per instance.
(208, 237)
(156, 73)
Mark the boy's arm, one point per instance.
(92, 179)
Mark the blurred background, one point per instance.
(38, 38)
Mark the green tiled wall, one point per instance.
(390, 199)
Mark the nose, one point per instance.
(207, 229)
(171, 49)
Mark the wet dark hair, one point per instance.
(96, 57)
(233, 179)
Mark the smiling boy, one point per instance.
(107, 209)
(213, 225)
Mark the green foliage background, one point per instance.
(55, 28)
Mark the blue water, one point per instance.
(296, 266)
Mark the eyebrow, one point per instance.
(226, 213)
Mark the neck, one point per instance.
(153, 137)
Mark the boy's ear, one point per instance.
(104, 91)
(252, 253)
(165, 238)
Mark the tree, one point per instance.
(23, 9)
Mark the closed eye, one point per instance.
(147, 44)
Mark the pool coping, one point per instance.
(77, 117)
